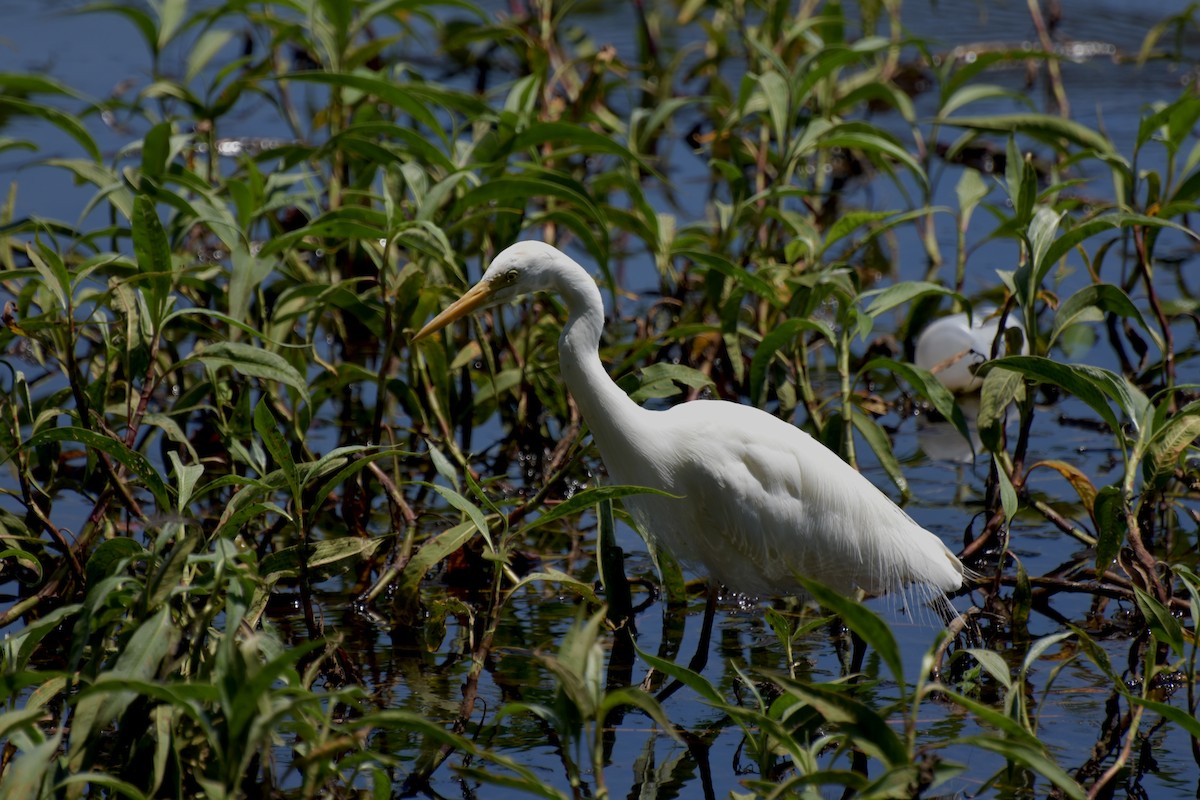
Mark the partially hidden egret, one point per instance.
(952, 347)
(756, 501)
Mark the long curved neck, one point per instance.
(607, 410)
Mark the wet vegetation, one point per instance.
(254, 544)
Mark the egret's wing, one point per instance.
(768, 501)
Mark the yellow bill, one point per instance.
(476, 297)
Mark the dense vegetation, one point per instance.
(228, 475)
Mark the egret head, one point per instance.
(521, 269)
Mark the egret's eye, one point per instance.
(505, 279)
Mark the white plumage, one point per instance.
(759, 499)
(955, 347)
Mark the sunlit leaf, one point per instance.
(132, 460)
(860, 619)
(253, 362)
(1161, 621)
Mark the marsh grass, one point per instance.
(211, 404)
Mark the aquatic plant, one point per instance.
(255, 543)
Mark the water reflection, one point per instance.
(941, 441)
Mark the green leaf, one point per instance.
(324, 558)
(1161, 621)
(1000, 389)
(20, 645)
(1042, 230)
(67, 123)
(1046, 127)
(739, 275)
(927, 385)
(1032, 757)
(53, 271)
(582, 501)
(1098, 297)
(207, 45)
(1089, 384)
(661, 380)
(1008, 495)
(777, 93)
(109, 554)
(576, 137)
(639, 699)
(899, 294)
(139, 659)
(31, 774)
(156, 149)
(408, 586)
(697, 683)
(881, 445)
(153, 254)
(474, 514)
(864, 727)
(970, 191)
(130, 459)
(1176, 434)
(277, 445)
(994, 664)
(253, 362)
(860, 619)
(775, 340)
(1169, 712)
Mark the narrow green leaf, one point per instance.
(1102, 297)
(1008, 495)
(866, 729)
(581, 501)
(1031, 757)
(1169, 441)
(53, 271)
(1042, 230)
(1001, 387)
(153, 254)
(994, 665)
(277, 445)
(207, 45)
(899, 294)
(1089, 384)
(1161, 621)
(156, 149)
(1049, 128)
(109, 554)
(774, 341)
(697, 683)
(970, 191)
(324, 558)
(130, 459)
(408, 586)
(928, 386)
(860, 619)
(881, 445)
(661, 380)
(474, 514)
(67, 123)
(139, 659)
(743, 277)
(253, 362)
(1169, 712)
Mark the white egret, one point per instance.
(952, 347)
(758, 500)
